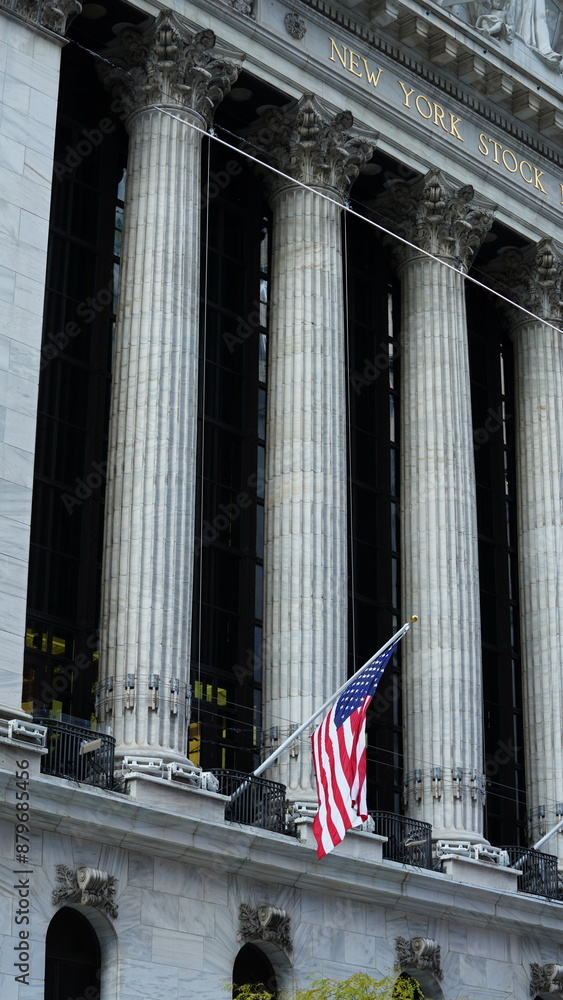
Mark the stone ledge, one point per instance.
(481, 873)
(357, 844)
(159, 793)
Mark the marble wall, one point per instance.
(29, 78)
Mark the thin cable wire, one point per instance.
(358, 215)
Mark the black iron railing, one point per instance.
(78, 753)
(409, 841)
(254, 802)
(538, 871)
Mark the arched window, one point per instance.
(252, 967)
(72, 959)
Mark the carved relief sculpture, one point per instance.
(51, 14)
(498, 21)
(89, 886)
(265, 923)
(419, 954)
(546, 979)
(243, 6)
(295, 25)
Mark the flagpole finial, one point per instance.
(414, 618)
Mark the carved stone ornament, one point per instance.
(265, 923)
(89, 886)
(309, 142)
(166, 64)
(533, 278)
(52, 14)
(243, 6)
(496, 21)
(502, 20)
(546, 979)
(295, 26)
(437, 217)
(419, 954)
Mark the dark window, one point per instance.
(490, 353)
(229, 542)
(253, 968)
(373, 524)
(72, 957)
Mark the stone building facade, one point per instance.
(280, 367)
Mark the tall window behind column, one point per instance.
(493, 431)
(374, 497)
(66, 526)
(227, 616)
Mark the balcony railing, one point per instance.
(409, 841)
(78, 753)
(538, 871)
(255, 801)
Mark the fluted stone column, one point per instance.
(149, 527)
(535, 279)
(305, 553)
(442, 721)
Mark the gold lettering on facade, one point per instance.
(351, 61)
(453, 130)
(508, 152)
(407, 94)
(354, 63)
(537, 182)
(530, 179)
(334, 48)
(421, 97)
(431, 110)
(371, 77)
(506, 158)
(439, 117)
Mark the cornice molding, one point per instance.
(51, 14)
(424, 52)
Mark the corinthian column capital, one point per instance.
(437, 217)
(309, 142)
(534, 279)
(167, 64)
(52, 14)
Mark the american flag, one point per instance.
(339, 758)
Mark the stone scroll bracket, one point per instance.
(419, 954)
(546, 980)
(89, 886)
(265, 923)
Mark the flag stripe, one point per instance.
(339, 757)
